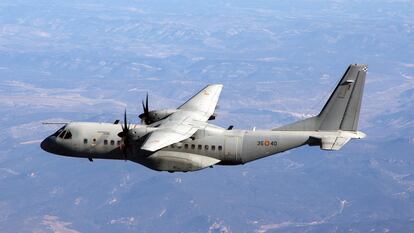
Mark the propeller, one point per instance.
(145, 115)
(124, 134)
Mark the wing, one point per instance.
(204, 101)
(190, 117)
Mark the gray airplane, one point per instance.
(182, 140)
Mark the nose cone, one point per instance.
(48, 145)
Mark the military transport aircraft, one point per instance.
(182, 140)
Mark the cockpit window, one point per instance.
(59, 131)
(68, 135)
(61, 135)
(65, 134)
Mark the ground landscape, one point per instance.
(278, 61)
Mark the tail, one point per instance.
(341, 112)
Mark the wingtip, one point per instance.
(215, 85)
(148, 148)
(360, 134)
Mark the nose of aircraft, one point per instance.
(48, 145)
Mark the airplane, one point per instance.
(182, 139)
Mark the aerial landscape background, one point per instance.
(88, 60)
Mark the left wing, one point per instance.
(204, 102)
(189, 117)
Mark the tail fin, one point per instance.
(341, 112)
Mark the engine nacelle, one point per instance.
(178, 162)
(156, 115)
(140, 132)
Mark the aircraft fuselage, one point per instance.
(231, 147)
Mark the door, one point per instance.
(231, 149)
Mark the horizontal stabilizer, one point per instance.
(334, 140)
(333, 143)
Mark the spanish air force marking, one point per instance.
(266, 143)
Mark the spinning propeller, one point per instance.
(145, 118)
(125, 137)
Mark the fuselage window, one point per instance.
(186, 146)
(94, 141)
(85, 141)
(68, 135)
(206, 147)
(106, 142)
(112, 142)
(200, 147)
(213, 147)
(118, 143)
(220, 148)
(192, 146)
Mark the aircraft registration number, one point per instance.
(266, 143)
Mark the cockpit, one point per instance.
(63, 133)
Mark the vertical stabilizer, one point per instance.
(341, 111)
(343, 107)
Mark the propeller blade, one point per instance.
(146, 104)
(125, 121)
(125, 136)
(145, 115)
(143, 107)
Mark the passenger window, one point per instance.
(200, 147)
(68, 135)
(213, 147)
(85, 141)
(192, 146)
(106, 142)
(94, 141)
(118, 143)
(206, 147)
(220, 148)
(112, 142)
(186, 146)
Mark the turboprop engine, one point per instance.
(155, 115)
(149, 117)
